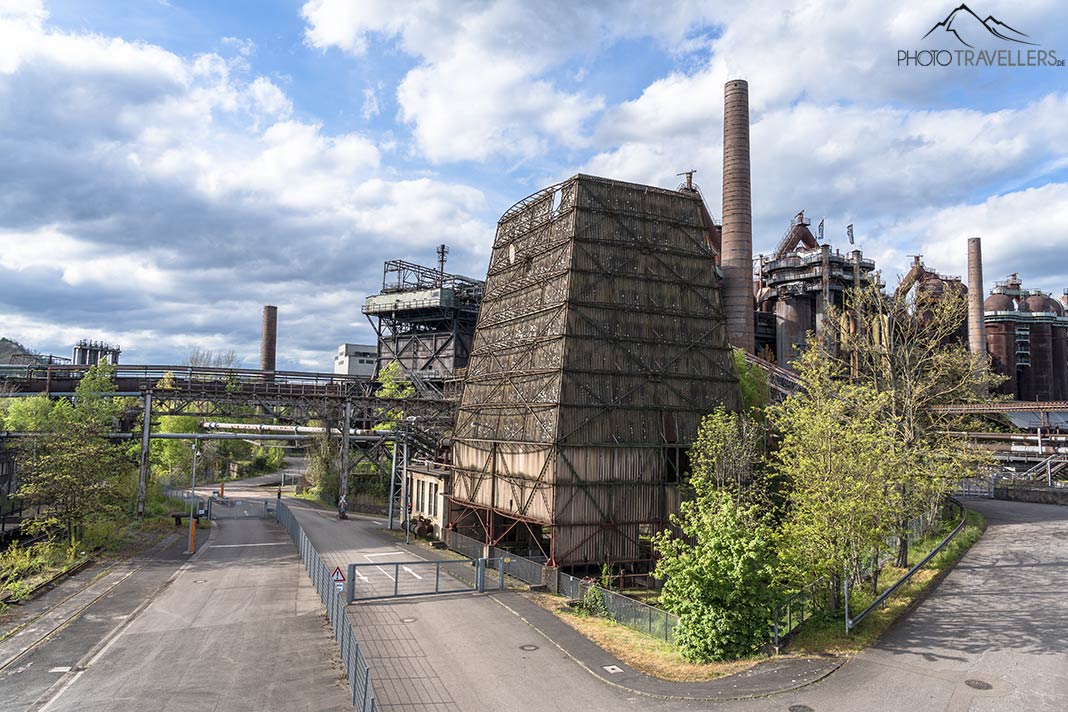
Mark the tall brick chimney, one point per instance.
(737, 256)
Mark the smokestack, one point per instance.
(269, 340)
(1064, 299)
(737, 255)
(976, 328)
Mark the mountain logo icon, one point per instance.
(965, 25)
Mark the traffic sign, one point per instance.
(338, 576)
(339, 586)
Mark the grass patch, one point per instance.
(649, 655)
(24, 567)
(825, 633)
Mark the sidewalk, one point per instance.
(405, 656)
(766, 678)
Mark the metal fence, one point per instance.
(650, 620)
(526, 570)
(570, 586)
(356, 668)
(623, 609)
(399, 579)
(789, 615)
(471, 548)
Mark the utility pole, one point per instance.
(142, 478)
(392, 481)
(405, 515)
(193, 501)
(343, 488)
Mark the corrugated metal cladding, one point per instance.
(600, 345)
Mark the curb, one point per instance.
(694, 698)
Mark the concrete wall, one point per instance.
(1040, 495)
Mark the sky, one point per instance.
(169, 167)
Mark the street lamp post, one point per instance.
(193, 501)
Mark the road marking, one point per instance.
(412, 572)
(234, 546)
(384, 572)
(383, 553)
(61, 668)
(118, 631)
(361, 576)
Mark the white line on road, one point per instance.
(384, 572)
(235, 546)
(118, 631)
(382, 553)
(412, 572)
(361, 576)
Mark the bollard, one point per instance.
(192, 535)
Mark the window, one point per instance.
(434, 499)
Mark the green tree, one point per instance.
(73, 469)
(908, 346)
(727, 449)
(752, 384)
(32, 415)
(840, 454)
(718, 574)
(392, 385)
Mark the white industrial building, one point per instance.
(355, 360)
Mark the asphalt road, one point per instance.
(997, 620)
(1000, 619)
(238, 628)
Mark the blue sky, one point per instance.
(172, 166)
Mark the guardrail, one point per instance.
(852, 623)
(356, 668)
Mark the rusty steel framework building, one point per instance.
(600, 345)
(798, 284)
(1025, 334)
(424, 318)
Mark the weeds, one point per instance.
(825, 632)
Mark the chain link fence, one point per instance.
(625, 610)
(471, 548)
(356, 668)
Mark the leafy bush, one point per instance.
(719, 578)
(592, 603)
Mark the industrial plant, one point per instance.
(602, 335)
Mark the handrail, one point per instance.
(851, 623)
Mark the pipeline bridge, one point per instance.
(343, 406)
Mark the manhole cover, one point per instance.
(801, 708)
(978, 685)
(528, 648)
(407, 620)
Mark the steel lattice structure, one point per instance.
(600, 345)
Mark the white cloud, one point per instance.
(1024, 231)
(370, 107)
(142, 192)
(485, 85)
